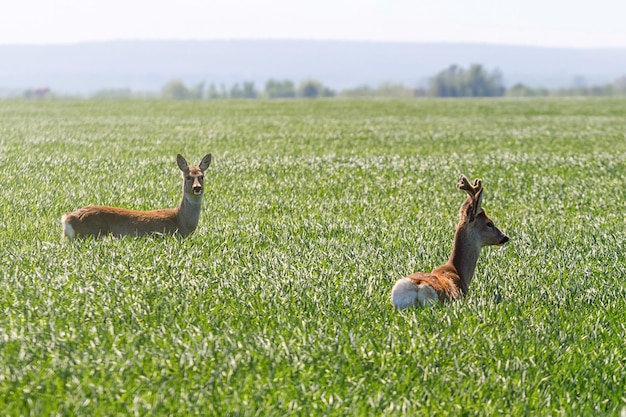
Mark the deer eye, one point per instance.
(490, 225)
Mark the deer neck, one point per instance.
(464, 256)
(188, 213)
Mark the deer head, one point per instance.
(473, 215)
(193, 177)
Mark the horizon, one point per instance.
(148, 65)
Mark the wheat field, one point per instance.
(278, 304)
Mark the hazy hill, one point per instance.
(147, 65)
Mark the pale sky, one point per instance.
(561, 23)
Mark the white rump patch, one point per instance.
(68, 230)
(406, 294)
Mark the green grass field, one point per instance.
(279, 303)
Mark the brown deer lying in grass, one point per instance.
(451, 280)
(183, 220)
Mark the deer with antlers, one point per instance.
(182, 220)
(451, 280)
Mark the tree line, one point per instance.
(454, 81)
(451, 82)
(177, 90)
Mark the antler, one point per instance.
(475, 196)
(471, 189)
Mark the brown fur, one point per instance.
(451, 280)
(444, 279)
(182, 220)
(103, 220)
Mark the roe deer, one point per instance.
(183, 220)
(451, 280)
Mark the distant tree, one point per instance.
(280, 89)
(620, 85)
(480, 83)
(448, 83)
(593, 91)
(236, 91)
(327, 92)
(248, 90)
(601, 90)
(475, 82)
(212, 93)
(245, 91)
(521, 90)
(223, 91)
(197, 92)
(313, 89)
(176, 90)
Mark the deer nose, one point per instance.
(196, 187)
(504, 240)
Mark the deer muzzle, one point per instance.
(197, 188)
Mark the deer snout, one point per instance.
(197, 187)
(504, 240)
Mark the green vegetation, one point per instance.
(279, 303)
(176, 90)
(454, 81)
(475, 82)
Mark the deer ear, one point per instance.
(470, 215)
(206, 161)
(182, 163)
(478, 202)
